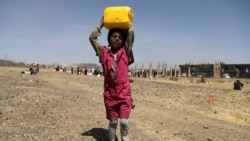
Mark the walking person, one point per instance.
(115, 59)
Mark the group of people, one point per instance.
(33, 69)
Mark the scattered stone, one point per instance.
(177, 133)
(205, 127)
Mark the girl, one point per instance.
(115, 60)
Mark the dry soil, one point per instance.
(58, 106)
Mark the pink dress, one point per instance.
(117, 90)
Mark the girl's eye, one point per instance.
(119, 37)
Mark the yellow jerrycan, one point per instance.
(118, 17)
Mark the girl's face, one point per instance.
(116, 40)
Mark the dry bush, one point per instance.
(191, 80)
(220, 81)
(173, 78)
(203, 80)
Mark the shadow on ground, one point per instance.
(99, 134)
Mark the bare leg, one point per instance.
(112, 129)
(124, 129)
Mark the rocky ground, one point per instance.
(59, 106)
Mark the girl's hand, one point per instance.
(101, 24)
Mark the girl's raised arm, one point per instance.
(129, 40)
(93, 38)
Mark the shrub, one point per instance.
(203, 79)
(173, 78)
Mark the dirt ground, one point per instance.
(58, 106)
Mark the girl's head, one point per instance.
(116, 38)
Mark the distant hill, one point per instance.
(12, 63)
(88, 65)
(82, 65)
(6, 62)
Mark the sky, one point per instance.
(173, 32)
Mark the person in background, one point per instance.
(115, 59)
(238, 85)
(34, 69)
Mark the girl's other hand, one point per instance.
(101, 24)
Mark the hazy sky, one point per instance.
(166, 31)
